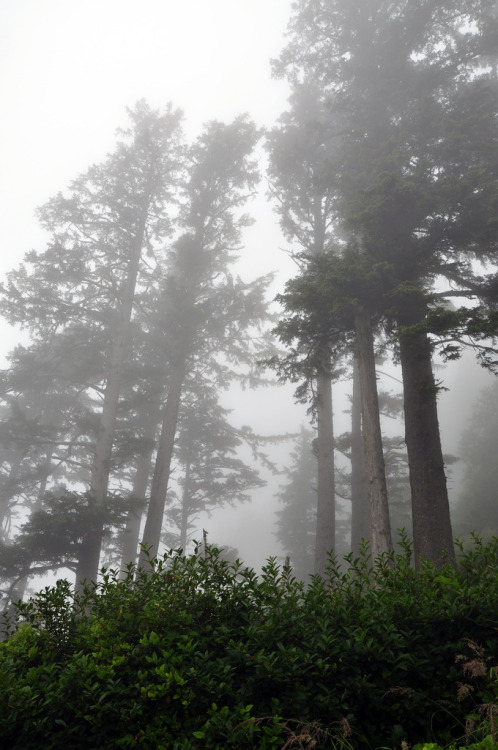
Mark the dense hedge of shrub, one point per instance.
(197, 653)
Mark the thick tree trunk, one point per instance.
(432, 533)
(90, 548)
(153, 524)
(360, 513)
(380, 528)
(325, 514)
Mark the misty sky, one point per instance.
(68, 70)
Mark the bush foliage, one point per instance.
(201, 654)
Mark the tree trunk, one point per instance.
(89, 553)
(185, 508)
(380, 528)
(325, 513)
(432, 533)
(131, 533)
(155, 512)
(360, 521)
(325, 510)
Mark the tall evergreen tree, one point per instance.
(80, 292)
(415, 177)
(208, 468)
(207, 311)
(301, 160)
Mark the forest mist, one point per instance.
(185, 273)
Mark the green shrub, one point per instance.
(201, 654)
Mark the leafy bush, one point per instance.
(201, 654)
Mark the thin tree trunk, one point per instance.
(325, 515)
(360, 514)
(432, 533)
(90, 548)
(325, 511)
(153, 524)
(380, 528)
(185, 507)
(131, 533)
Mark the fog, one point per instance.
(69, 71)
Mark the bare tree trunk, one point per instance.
(325, 510)
(185, 508)
(360, 513)
(325, 515)
(153, 524)
(89, 553)
(432, 533)
(380, 528)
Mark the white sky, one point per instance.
(69, 68)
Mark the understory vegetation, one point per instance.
(199, 653)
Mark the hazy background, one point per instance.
(68, 70)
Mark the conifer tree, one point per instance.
(414, 87)
(302, 159)
(209, 471)
(296, 524)
(78, 295)
(207, 312)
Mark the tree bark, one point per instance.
(432, 533)
(153, 524)
(325, 514)
(360, 521)
(380, 528)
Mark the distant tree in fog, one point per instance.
(132, 296)
(81, 290)
(296, 521)
(208, 471)
(302, 160)
(212, 318)
(476, 507)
